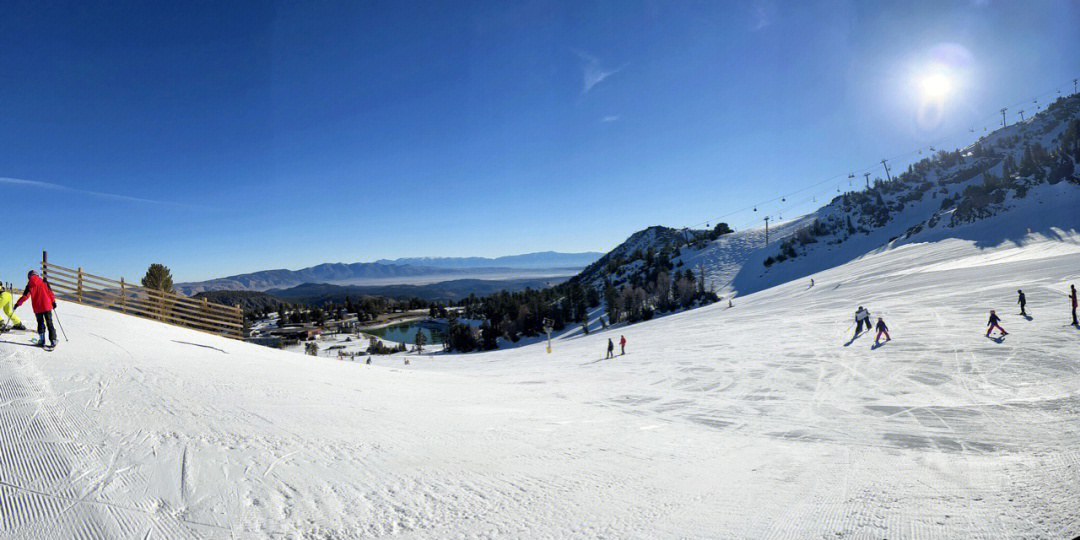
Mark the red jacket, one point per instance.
(41, 297)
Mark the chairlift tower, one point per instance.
(766, 231)
(886, 165)
(867, 176)
(1021, 115)
(1003, 122)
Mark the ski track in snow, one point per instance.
(750, 422)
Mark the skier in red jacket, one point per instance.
(622, 345)
(43, 302)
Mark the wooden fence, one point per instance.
(178, 310)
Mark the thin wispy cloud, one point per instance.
(761, 12)
(112, 196)
(594, 72)
(610, 118)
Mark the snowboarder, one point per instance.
(406, 361)
(1073, 298)
(993, 323)
(43, 302)
(811, 282)
(8, 306)
(881, 329)
(862, 316)
(1022, 301)
(622, 345)
(610, 349)
(730, 304)
(368, 362)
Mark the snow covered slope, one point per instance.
(1008, 173)
(761, 420)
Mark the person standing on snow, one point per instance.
(43, 302)
(1022, 301)
(610, 349)
(993, 323)
(7, 305)
(622, 345)
(881, 329)
(1073, 298)
(862, 316)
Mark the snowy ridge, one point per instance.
(926, 204)
(761, 420)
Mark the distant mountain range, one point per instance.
(544, 259)
(444, 291)
(401, 272)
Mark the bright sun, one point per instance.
(935, 86)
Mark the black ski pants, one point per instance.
(44, 320)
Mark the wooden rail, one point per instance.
(83, 288)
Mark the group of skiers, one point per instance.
(611, 347)
(41, 299)
(862, 318)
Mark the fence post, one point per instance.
(123, 297)
(79, 289)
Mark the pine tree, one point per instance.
(159, 278)
(421, 339)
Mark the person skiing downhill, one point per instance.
(993, 323)
(7, 305)
(610, 349)
(1073, 298)
(881, 329)
(622, 345)
(1022, 300)
(43, 302)
(862, 316)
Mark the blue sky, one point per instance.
(224, 137)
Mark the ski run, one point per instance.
(757, 421)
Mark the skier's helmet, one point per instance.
(30, 273)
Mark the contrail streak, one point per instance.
(113, 196)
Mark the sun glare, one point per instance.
(935, 86)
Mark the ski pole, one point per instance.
(57, 316)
